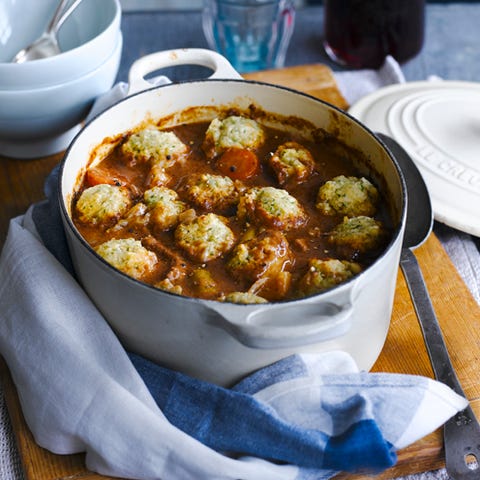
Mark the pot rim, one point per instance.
(345, 284)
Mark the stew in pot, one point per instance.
(232, 210)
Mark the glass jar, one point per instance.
(361, 33)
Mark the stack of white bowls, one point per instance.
(43, 102)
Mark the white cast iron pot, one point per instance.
(222, 342)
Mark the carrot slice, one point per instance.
(98, 175)
(238, 163)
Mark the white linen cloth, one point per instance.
(355, 84)
(80, 392)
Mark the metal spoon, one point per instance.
(461, 432)
(47, 45)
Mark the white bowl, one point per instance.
(87, 39)
(39, 122)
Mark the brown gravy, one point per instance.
(306, 242)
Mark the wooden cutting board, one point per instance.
(404, 350)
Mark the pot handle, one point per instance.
(284, 325)
(170, 58)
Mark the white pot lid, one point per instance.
(438, 124)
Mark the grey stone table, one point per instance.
(451, 51)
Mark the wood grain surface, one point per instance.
(21, 183)
(316, 79)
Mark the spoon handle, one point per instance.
(461, 432)
(57, 15)
(436, 347)
(60, 21)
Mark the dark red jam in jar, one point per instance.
(361, 33)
